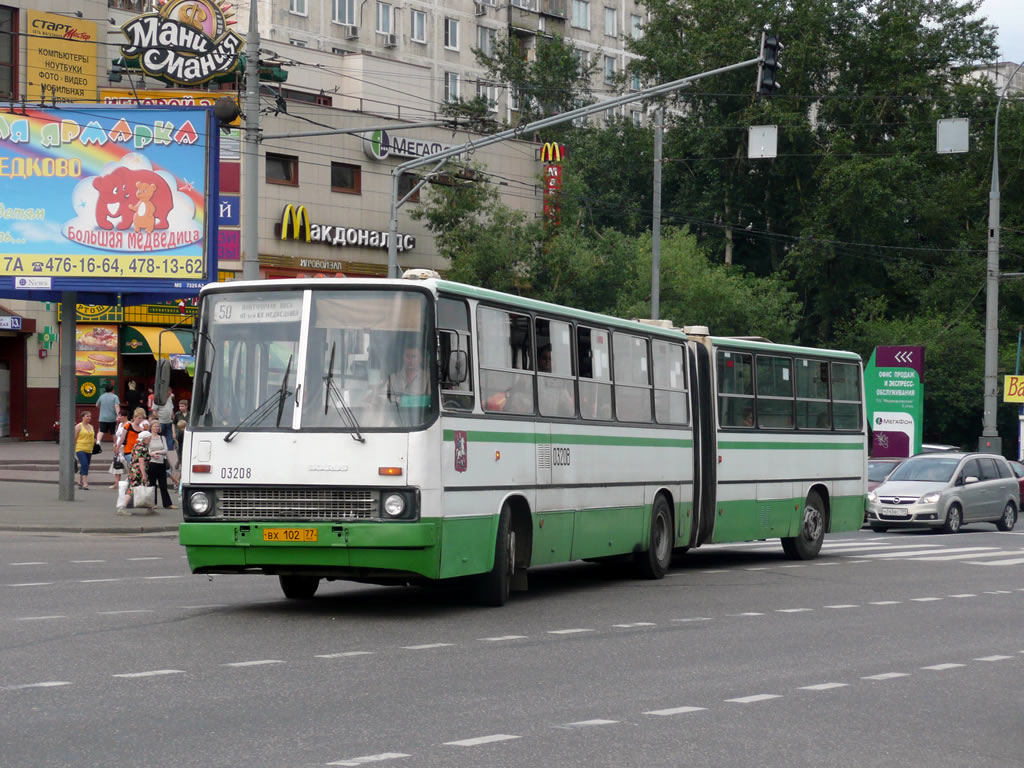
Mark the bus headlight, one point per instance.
(199, 503)
(394, 505)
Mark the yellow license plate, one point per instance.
(289, 534)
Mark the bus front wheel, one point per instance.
(493, 588)
(654, 562)
(807, 544)
(298, 587)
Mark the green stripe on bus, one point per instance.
(761, 446)
(570, 439)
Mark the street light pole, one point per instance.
(989, 433)
(251, 151)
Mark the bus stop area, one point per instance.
(29, 495)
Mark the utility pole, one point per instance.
(251, 151)
(659, 127)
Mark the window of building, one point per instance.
(8, 53)
(451, 87)
(406, 182)
(307, 97)
(670, 403)
(451, 33)
(529, 5)
(489, 93)
(582, 59)
(632, 377)
(774, 392)
(636, 116)
(593, 362)
(609, 69)
(418, 27)
(346, 177)
(580, 14)
(634, 82)
(384, 18)
(812, 402)
(636, 26)
(298, 7)
(504, 349)
(513, 99)
(610, 24)
(282, 169)
(735, 389)
(486, 37)
(297, 43)
(343, 11)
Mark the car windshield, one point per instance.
(877, 470)
(929, 470)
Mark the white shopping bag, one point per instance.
(123, 497)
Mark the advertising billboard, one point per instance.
(95, 360)
(62, 55)
(107, 200)
(894, 392)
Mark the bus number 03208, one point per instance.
(560, 457)
(236, 473)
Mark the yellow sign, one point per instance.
(298, 217)
(1013, 389)
(62, 53)
(164, 97)
(112, 264)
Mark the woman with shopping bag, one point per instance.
(142, 494)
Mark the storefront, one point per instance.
(14, 333)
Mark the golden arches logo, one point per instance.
(293, 220)
(552, 152)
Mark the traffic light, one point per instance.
(771, 47)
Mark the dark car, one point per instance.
(879, 469)
(1018, 472)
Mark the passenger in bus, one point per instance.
(555, 399)
(748, 416)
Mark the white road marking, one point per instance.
(993, 658)
(39, 618)
(30, 562)
(95, 581)
(755, 698)
(88, 561)
(481, 740)
(32, 584)
(175, 576)
(843, 605)
(759, 568)
(887, 602)
(745, 613)
(943, 667)
(343, 654)
(793, 610)
(693, 618)
(828, 562)
(152, 673)
(426, 646)
(198, 607)
(823, 686)
(635, 624)
(588, 723)
(115, 613)
(998, 592)
(674, 711)
(48, 684)
(144, 558)
(1015, 561)
(965, 594)
(567, 631)
(932, 551)
(793, 565)
(503, 637)
(885, 676)
(994, 553)
(719, 570)
(924, 599)
(257, 663)
(370, 758)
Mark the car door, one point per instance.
(972, 494)
(993, 488)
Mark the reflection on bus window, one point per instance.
(594, 366)
(506, 361)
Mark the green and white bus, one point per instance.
(531, 434)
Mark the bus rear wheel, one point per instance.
(807, 544)
(654, 562)
(493, 588)
(298, 587)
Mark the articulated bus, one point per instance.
(414, 430)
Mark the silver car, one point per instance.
(945, 491)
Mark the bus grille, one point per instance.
(297, 504)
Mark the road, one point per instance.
(889, 649)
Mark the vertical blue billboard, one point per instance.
(107, 200)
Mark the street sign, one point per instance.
(1013, 389)
(894, 393)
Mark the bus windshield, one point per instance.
(364, 362)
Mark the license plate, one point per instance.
(289, 534)
(889, 512)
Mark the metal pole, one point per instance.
(251, 151)
(66, 389)
(1020, 408)
(992, 284)
(659, 124)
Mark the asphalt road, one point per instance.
(894, 649)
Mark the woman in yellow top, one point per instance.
(85, 439)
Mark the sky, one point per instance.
(1008, 16)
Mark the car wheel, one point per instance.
(1009, 518)
(879, 528)
(954, 519)
(807, 544)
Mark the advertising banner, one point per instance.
(62, 54)
(894, 391)
(95, 360)
(106, 199)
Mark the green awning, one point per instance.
(153, 340)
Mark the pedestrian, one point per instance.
(133, 397)
(149, 398)
(85, 439)
(117, 462)
(132, 431)
(165, 417)
(108, 404)
(138, 468)
(158, 468)
(180, 422)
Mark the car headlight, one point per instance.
(199, 503)
(930, 498)
(872, 497)
(394, 505)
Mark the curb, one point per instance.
(25, 528)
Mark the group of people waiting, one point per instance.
(144, 444)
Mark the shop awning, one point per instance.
(151, 340)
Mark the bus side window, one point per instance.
(735, 389)
(454, 347)
(592, 362)
(504, 349)
(846, 396)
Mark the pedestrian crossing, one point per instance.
(882, 549)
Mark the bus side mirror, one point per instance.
(457, 369)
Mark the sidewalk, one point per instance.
(29, 495)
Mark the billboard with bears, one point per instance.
(107, 198)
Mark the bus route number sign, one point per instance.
(290, 534)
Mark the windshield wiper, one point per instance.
(264, 409)
(331, 388)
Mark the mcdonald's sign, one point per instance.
(552, 152)
(298, 218)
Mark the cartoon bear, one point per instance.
(117, 194)
(144, 209)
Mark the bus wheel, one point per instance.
(654, 563)
(807, 544)
(298, 587)
(493, 587)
